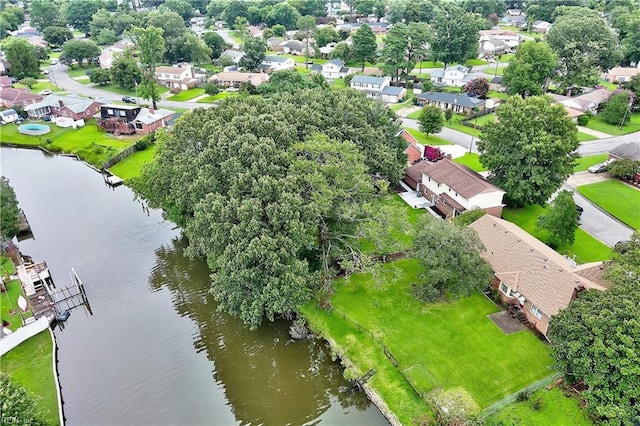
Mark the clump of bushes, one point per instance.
(583, 120)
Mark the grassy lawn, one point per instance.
(301, 69)
(218, 97)
(339, 82)
(88, 142)
(475, 62)
(617, 198)
(9, 310)
(496, 71)
(483, 120)
(30, 364)
(114, 88)
(428, 64)
(427, 140)
(555, 409)
(608, 85)
(505, 57)
(76, 71)
(405, 104)
(452, 345)
(40, 86)
(583, 163)
(494, 94)
(131, 166)
(472, 161)
(455, 123)
(597, 123)
(585, 247)
(186, 95)
(583, 137)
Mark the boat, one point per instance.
(23, 304)
(63, 316)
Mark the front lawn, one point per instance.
(220, 96)
(505, 57)
(186, 95)
(447, 345)
(472, 161)
(114, 88)
(76, 71)
(597, 123)
(427, 140)
(475, 62)
(544, 407)
(495, 94)
(583, 137)
(40, 86)
(583, 163)
(617, 198)
(88, 142)
(131, 166)
(30, 364)
(586, 247)
(454, 123)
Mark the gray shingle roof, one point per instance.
(629, 150)
(365, 79)
(392, 90)
(451, 98)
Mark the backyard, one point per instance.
(472, 161)
(617, 198)
(30, 364)
(9, 311)
(447, 345)
(585, 247)
(88, 142)
(131, 166)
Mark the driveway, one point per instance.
(459, 138)
(594, 220)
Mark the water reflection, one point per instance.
(267, 378)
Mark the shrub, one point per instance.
(211, 89)
(448, 114)
(523, 396)
(468, 217)
(583, 120)
(537, 404)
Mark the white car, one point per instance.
(46, 92)
(600, 167)
(54, 62)
(47, 71)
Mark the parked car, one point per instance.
(128, 100)
(579, 209)
(46, 92)
(47, 71)
(54, 62)
(600, 167)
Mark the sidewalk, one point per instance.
(596, 133)
(403, 112)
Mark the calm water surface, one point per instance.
(156, 352)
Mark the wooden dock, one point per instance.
(24, 229)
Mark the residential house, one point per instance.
(510, 39)
(72, 106)
(541, 27)
(491, 47)
(294, 47)
(528, 274)
(326, 51)
(129, 119)
(235, 55)
(514, 20)
(456, 102)
(414, 150)
(273, 63)
(573, 113)
(629, 150)
(587, 101)
(8, 116)
(620, 74)
(453, 188)
(5, 81)
(10, 97)
(495, 84)
(393, 94)
(274, 43)
(110, 53)
(371, 86)
(332, 69)
(177, 78)
(457, 76)
(234, 79)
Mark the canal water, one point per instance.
(156, 351)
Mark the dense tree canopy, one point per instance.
(561, 221)
(215, 42)
(364, 45)
(616, 110)
(449, 254)
(81, 50)
(19, 403)
(527, 72)
(597, 339)
(45, 13)
(150, 44)
(57, 36)
(542, 10)
(8, 210)
(585, 46)
(404, 45)
(80, 12)
(264, 188)
(529, 149)
(255, 50)
(21, 57)
(431, 119)
(455, 35)
(125, 71)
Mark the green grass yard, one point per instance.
(506, 57)
(617, 198)
(76, 71)
(585, 247)
(583, 137)
(583, 163)
(495, 94)
(597, 123)
(131, 166)
(220, 96)
(454, 123)
(555, 409)
(40, 86)
(30, 364)
(88, 142)
(452, 345)
(427, 140)
(472, 161)
(186, 95)
(9, 310)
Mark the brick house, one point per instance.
(414, 150)
(234, 78)
(453, 188)
(10, 97)
(128, 119)
(528, 273)
(457, 102)
(72, 106)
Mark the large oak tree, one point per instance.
(529, 149)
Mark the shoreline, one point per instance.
(56, 377)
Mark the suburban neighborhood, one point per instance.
(435, 205)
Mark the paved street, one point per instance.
(453, 136)
(603, 146)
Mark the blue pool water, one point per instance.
(34, 129)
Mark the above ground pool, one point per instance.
(34, 129)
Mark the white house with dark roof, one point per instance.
(457, 76)
(456, 102)
(371, 86)
(528, 274)
(177, 78)
(235, 55)
(332, 69)
(273, 63)
(295, 47)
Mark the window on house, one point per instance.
(138, 126)
(122, 113)
(505, 289)
(110, 112)
(536, 311)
